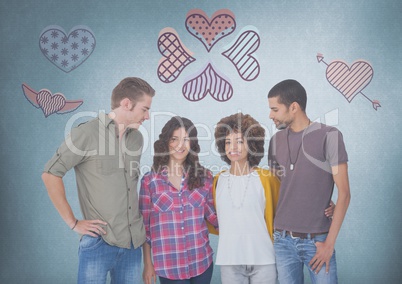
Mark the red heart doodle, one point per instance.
(50, 104)
(349, 81)
(209, 32)
(177, 56)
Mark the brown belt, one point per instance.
(301, 235)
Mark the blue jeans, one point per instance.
(204, 278)
(293, 253)
(248, 274)
(97, 258)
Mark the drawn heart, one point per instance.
(177, 56)
(50, 104)
(208, 82)
(240, 55)
(67, 52)
(349, 81)
(209, 32)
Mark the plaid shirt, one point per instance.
(175, 225)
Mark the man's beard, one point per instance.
(284, 123)
(282, 126)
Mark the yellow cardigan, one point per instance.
(271, 185)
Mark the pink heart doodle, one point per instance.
(349, 81)
(240, 55)
(208, 82)
(177, 56)
(209, 32)
(67, 52)
(48, 103)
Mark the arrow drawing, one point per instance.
(349, 81)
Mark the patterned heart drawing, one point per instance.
(50, 103)
(209, 32)
(176, 54)
(208, 82)
(240, 54)
(349, 81)
(67, 52)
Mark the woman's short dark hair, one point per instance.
(196, 172)
(251, 131)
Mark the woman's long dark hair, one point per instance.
(196, 172)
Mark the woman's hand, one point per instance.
(329, 212)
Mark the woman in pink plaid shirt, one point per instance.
(175, 201)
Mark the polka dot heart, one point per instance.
(209, 32)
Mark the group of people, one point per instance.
(271, 223)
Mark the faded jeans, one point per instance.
(248, 274)
(97, 258)
(293, 253)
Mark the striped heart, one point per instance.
(240, 54)
(349, 81)
(208, 82)
(50, 103)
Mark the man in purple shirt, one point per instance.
(309, 158)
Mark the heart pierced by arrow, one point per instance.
(349, 81)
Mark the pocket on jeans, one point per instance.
(90, 243)
(320, 238)
(276, 235)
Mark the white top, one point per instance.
(243, 233)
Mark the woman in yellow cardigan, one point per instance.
(245, 199)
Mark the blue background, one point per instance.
(36, 246)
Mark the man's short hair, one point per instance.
(132, 88)
(288, 92)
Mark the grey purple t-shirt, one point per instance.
(306, 190)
